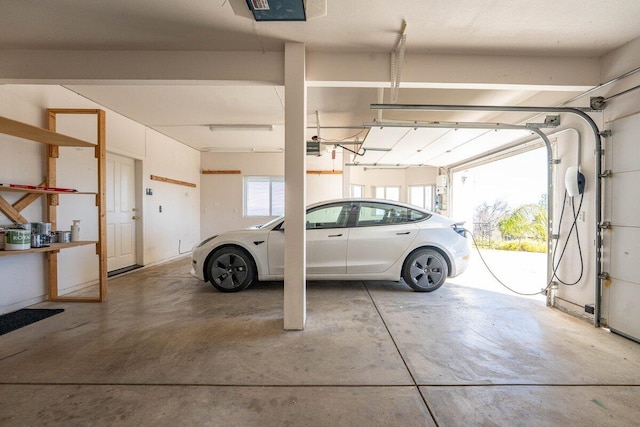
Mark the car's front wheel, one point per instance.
(425, 270)
(231, 269)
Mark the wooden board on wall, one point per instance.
(172, 181)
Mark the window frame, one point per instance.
(386, 188)
(424, 198)
(359, 186)
(271, 179)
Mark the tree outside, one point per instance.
(504, 202)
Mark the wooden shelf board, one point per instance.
(28, 190)
(52, 248)
(35, 133)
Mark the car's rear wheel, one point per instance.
(425, 270)
(231, 269)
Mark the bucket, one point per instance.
(17, 240)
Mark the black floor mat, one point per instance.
(18, 319)
(123, 270)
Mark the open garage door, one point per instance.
(623, 210)
(503, 200)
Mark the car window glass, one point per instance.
(331, 216)
(373, 214)
(415, 215)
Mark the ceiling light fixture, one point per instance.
(218, 127)
(243, 150)
(230, 149)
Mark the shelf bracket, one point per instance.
(12, 213)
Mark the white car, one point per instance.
(349, 239)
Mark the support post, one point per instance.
(295, 298)
(346, 175)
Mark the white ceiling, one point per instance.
(585, 28)
(523, 27)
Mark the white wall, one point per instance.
(164, 236)
(222, 194)
(221, 207)
(573, 298)
(176, 229)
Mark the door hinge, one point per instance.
(605, 225)
(604, 276)
(606, 174)
(605, 133)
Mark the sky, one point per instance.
(518, 180)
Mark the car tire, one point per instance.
(425, 270)
(231, 269)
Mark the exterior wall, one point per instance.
(163, 236)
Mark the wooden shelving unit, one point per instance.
(53, 141)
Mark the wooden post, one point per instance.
(101, 156)
(52, 207)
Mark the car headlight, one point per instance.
(205, 241)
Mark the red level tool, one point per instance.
(35, 187)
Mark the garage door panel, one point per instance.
(625, 252)
(623, 244)
(625, 209)
(624, 138)
(626, 317)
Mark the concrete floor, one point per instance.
(169, 350)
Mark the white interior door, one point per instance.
(121, 212)
(622, 243)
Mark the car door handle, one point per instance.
(335, 235)
(405, 233)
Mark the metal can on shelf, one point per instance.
(37, 241)
(42, 228)
(63, 236)
(21, 226)
(17, 240)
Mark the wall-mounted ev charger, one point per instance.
(574, 181)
